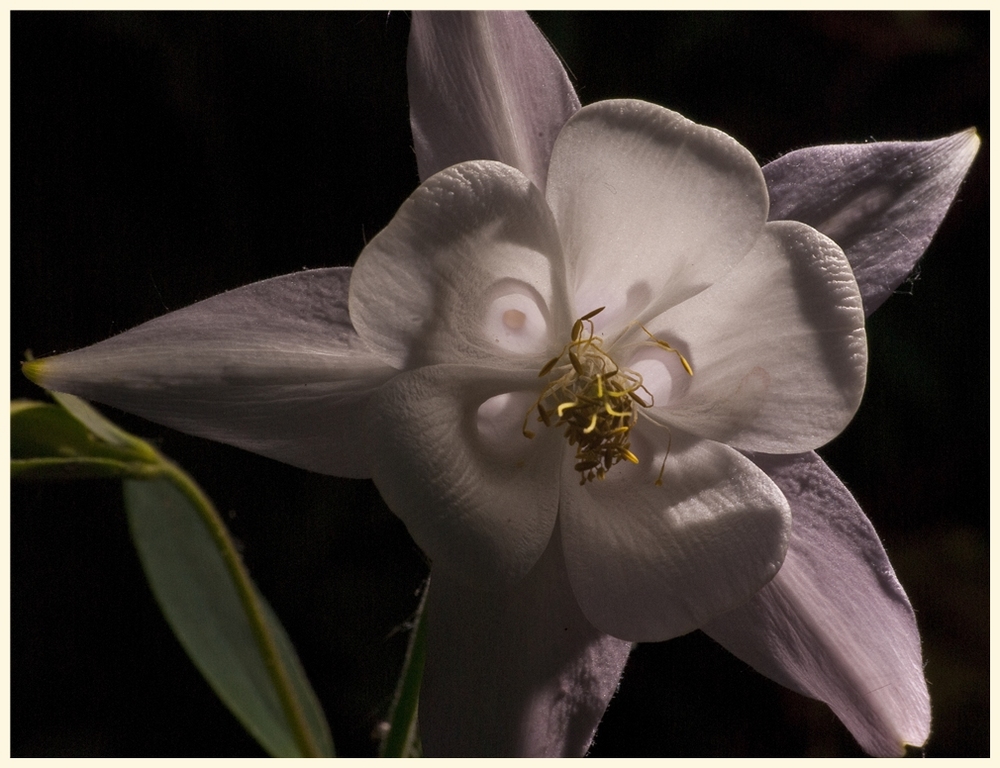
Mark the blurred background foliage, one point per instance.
(158, 159)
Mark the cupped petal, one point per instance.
(485, 86)
(649, 562)
(835, 624)
(881, 202)
(274, 367)
(449, 458)
(469, 268)
(778, 348)
(651, 207)
(517, 673)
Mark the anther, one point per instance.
(594, 400)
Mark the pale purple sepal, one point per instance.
(835, 624)
(881, 202)
(485, 86)
(274, 367)
(518, 673)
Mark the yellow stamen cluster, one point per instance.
(594, 399)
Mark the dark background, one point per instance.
(158, 159)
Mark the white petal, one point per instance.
(651, 207)
(274, 367)
(778, 348)
(477, 496)
(881, 202)
(517, 673)
(835, 624)
(650, 562)
(444, 281)
(485, 86)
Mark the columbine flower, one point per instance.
(634, 321)
(606, 301)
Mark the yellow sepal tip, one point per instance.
(34, 370)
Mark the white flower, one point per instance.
(429, 383)
(480, 283)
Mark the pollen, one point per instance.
(593, 398)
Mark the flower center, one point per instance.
(595, 399)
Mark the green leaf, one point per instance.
(69, 469)
(402, 739)
(225, 626)
(44, 430)
(103, 429)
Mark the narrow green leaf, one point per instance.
(110, 433)
(222, 621)
(17, 406)
(402, 738)
(74, 469)
(315, 719)
(225, 625)
(45, 430)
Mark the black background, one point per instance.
(158, 159)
